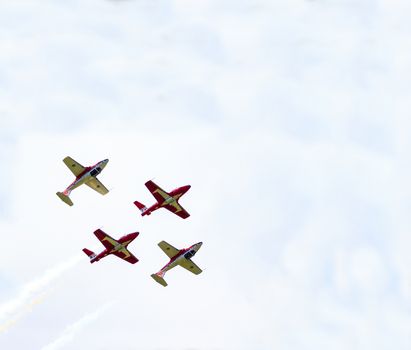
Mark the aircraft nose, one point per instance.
(105, 160)
(186, 188)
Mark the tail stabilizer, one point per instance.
(90, 254)
(158, 277)
(141, 206)
(66, 199)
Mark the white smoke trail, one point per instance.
(30, 291)
(72, 330)
(18, 315)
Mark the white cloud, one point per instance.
(289, 120)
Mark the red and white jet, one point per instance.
(177, 257)
(84, 175)
(118, 248)
(164, 200)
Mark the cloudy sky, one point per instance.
(291, 121)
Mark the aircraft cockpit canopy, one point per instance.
(190, 254)
(95, 171)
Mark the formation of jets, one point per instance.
(168, 200)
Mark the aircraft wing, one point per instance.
(177, 209)
(189, 265)
(168, 249)
(159, 194)
(96, 185)
(76, 168)
(126, 255)
(105, 239)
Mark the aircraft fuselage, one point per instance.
(86, 175)
(174, 196)
(120, 245)
(186, 254)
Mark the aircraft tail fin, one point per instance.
(65, 198)
(159, 278)
(90, 254)
(142, 207)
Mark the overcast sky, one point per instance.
(289, 119)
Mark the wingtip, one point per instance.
(98, 230)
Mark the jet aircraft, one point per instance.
(177, 257)
(84, 175)
(164, 200)
(118, 248)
